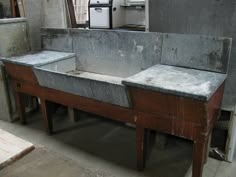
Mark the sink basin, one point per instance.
(64, 75)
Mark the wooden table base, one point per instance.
(199, 152)
(170, 114)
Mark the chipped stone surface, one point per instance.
(117, 53)
(56, 39)
(194, 51)
(177, 80)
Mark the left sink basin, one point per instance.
(65, 75)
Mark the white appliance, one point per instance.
(135, 2)
(106, 14)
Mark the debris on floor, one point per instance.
(12, 148)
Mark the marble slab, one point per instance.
(179, 81)
(116, 53)
(110, 52)
(57, 39)
(38, 58)
(196, 51)
(12, 20)
(64, 76)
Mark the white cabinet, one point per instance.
(99, 1)
(106, 14)
(99, 17)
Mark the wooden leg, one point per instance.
(20, 107)
(47, 115)
(207, 148)
(140, 141)
(198, 158)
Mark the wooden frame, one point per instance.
(21, 7)
(179, 116)
(72, 13)
(71, 10)
(13, 10)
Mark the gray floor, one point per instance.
(98, 144)
(46, 163)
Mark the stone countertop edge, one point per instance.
(204, 98)
(38, 68)
(12, 20)
(5, 59)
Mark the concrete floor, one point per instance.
(46, 163)
(102, 145)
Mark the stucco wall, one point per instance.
(43, 13)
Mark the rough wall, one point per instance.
(44, 13)
(54, 14)
(207, 17)
(100, 50)
(34, 13)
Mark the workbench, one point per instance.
(177, 100)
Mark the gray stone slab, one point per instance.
(100, 87)
(56, 39)
(38, 58)
(12, 20)
(194, 51)
(178, 81)
(13, 37)
(54, 14)
(116, 53)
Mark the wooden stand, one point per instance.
(179, 116)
